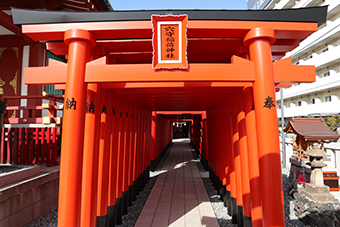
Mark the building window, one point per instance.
(326, 74)
(279, 107)
(313, 101)
(324, 50)
(328, 98)
(299, 103)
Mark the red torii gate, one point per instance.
(219, 83)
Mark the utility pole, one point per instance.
(283, 138)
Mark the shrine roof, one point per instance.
(214, 39)
(313, 15)
(214, 36)
(310, 128)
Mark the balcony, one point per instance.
(321, 84)
(324, 59)
(317, 109)
(333, 7)
(306, 3)
(317, 39)
(284, 4)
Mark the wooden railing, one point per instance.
(30, 146)
(29, 138)
(27, 116)
(299, 155)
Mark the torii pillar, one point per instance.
(259, 41)
(79, 47)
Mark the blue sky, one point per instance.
(177, 4)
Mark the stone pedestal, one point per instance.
(297, 167)
(318, 193)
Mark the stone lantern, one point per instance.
(316, 190)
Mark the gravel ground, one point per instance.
(7, 169)
(221, 211)
(48, 220)
(129, 220)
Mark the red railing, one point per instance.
(37, 144)
(28, 117)
(30, 146)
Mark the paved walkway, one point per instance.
(178, 197)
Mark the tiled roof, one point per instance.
(310, 128)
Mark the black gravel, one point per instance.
(48, 220)
(221, 212)
(7, 169)
(129, 220)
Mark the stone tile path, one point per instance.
(178, 197)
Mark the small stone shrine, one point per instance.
(314, 205)
(308, 131)
(316, 190)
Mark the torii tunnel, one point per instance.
(119, 109)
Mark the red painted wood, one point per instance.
(42, 145)
(136, 151)
(231, 164)
(15, 145)
(148, 145)
(120, 150)
(147, 139)
(36, 145)
(222, 158)
(126, 157)
(30, 145)
(205, 136)
(259, 41)
(159, 135)
(25, 147)
(54, 145)
(132, 143)
(91, 158)
(114, 151)
(243, 154)
(47, 138)
(104, 154)
(8, 146)
(143, 141)
(2, 152)
(21, 136)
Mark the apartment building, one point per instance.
(322, 49)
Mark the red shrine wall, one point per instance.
(12, 61)
(10, 74)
